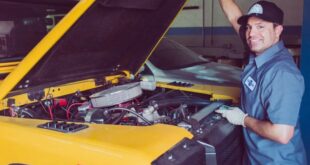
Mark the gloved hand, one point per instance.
(234, 115)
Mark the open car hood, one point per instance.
(110, 36)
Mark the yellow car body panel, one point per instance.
(61, 90)
(216, 92)
(7, 67)
(98, 144)
(6, 64)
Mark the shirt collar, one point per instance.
(267, 54)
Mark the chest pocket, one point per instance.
(253, 87)
(250, 87)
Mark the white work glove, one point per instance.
(234, 115)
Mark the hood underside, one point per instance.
(112, 35)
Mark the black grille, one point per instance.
(181, 84)
(63, 126)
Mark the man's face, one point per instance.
(261, 34)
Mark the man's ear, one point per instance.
(279, 30)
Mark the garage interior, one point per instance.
(200, 30)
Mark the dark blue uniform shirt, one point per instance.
(272, 90)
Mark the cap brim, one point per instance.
(243, 20)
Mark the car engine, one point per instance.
(137, 105)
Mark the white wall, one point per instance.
(218, 32)
(293, 10)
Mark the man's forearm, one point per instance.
(277, 132)
(232, 12)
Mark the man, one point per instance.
(272, 88)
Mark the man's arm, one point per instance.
(280, 133)
(232, 12)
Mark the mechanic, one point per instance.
(272, 88)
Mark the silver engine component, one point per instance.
(116, 95)
(151, 114)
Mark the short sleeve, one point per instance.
(283, 97)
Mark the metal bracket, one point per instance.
(36, 95)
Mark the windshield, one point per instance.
(172, 55)
(23, 25)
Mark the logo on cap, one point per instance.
(256, 9)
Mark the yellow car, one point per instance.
(72, 94)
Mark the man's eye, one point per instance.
(260, 27)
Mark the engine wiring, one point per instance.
(69, 108)
(170, 107)
(159, 106)
(48, 112)
(131, 111)
(12, 112)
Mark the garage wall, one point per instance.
(207, 26)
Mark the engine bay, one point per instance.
(126, 104)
